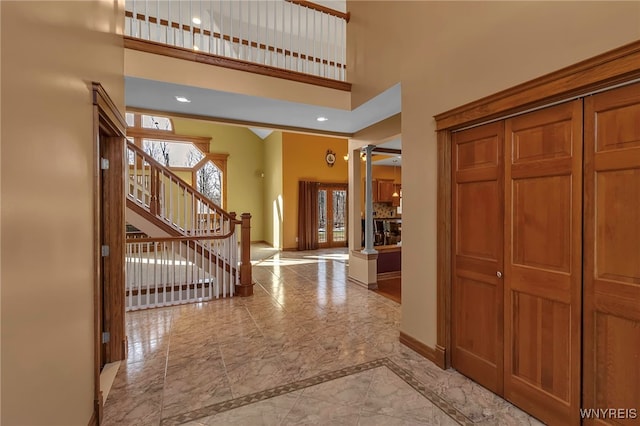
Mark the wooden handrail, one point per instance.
(320, 8)
(154, 164)
(238, 40)
(180, 239)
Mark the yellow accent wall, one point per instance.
(446, 54)
(245, 186)
(303, 158)
(51, 52)
(273, 198)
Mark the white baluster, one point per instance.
(139, 275)
(175, 271)
(146, 21)
(258, 39)
(201, 27)
(274, 52)
(222, 29)
(170, 26)
(210, 276)
(290, 36)
(181, 31)
(343, 24)
(159, 40)
(224, 272)
(213, 45)
(217, 267)
(335, 47)
(298, 44)
(249, 31)
(129, 275)
(313, 42)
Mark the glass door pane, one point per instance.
(339, 215)
(322, 216)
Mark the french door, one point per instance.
(332, 215)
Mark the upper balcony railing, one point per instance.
(287, 34)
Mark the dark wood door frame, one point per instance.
(616, 67)
(108, 201)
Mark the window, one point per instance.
(156, 136)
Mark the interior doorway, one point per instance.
(332, 215)
(108, 217)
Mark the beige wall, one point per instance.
(303, 158)
(51, 51)
(449, 53)
(178, 71)
(245, 186)
(273, 198)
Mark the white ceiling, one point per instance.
(389, 159)
(257, 111)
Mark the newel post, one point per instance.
(246, 281)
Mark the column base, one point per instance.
(244, 290)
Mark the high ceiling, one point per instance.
(256, 111)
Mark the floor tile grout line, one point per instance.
(166, 368)
(221, 407)
(441, 403)
(291, 409)
(252, 398)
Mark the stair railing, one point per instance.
(203, 261)
(163, 194)
(294, 35)
(178, 270)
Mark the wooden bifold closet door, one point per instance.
(477, 225)
(612, 254)
(517, 259)
(543, 262)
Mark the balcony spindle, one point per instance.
(290, 36)
(201, 27)
(191, 25)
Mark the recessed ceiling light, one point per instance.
(322, 118)
(182, 99)
(196, 21)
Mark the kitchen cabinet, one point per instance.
(385, 191)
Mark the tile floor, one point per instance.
(307, 348)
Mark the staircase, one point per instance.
(191, 250)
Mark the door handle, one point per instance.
(499, 274)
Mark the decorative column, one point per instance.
(368, 233)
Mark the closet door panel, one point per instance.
(543, 264)
(477, 300)
(612, 254)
